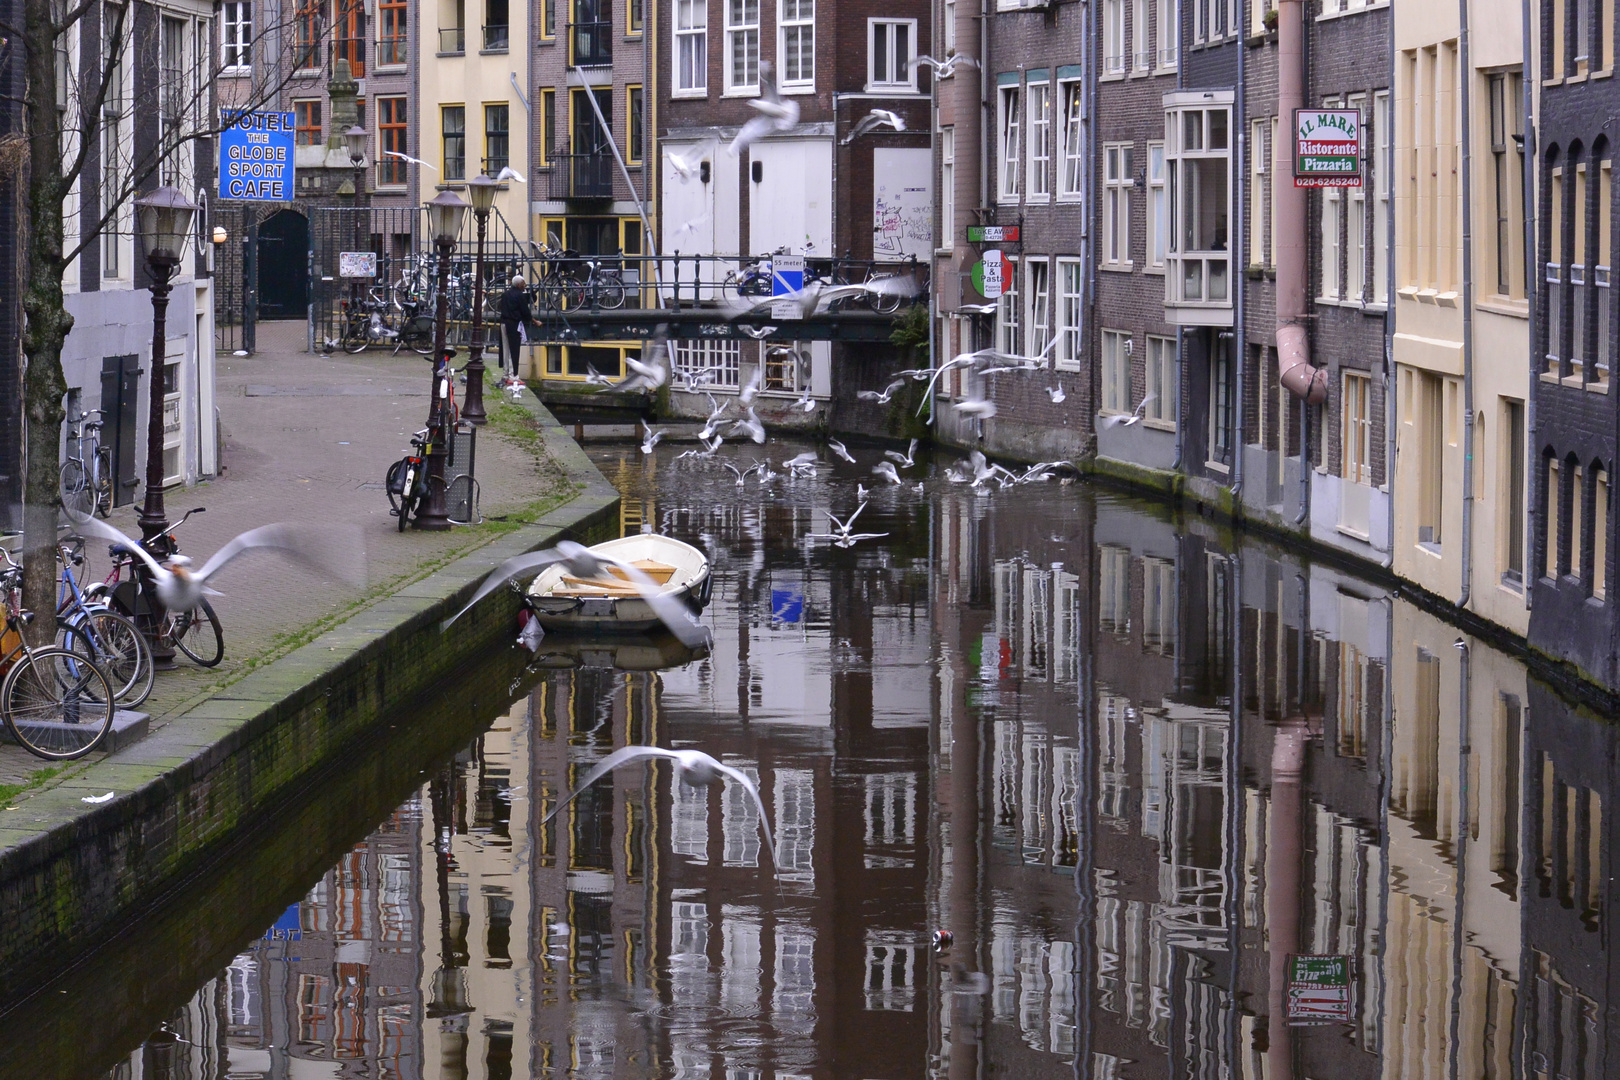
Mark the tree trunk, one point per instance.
(48, 321)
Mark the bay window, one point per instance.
(1198, 162)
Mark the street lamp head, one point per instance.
(356, 138)
(482, 191)
(446, 211)
(164, 218)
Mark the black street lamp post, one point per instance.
(164, 220)
(356, 137)
(482, 189)
(445, 214)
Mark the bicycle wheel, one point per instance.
(610, 293)
(417, 335)
(197, 634)
(117, 645)
(76, 494)
(355, 335)
(103, 485)
(56, 704)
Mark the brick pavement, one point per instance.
(309, 439)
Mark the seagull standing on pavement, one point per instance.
(692, 767)
(181, 588)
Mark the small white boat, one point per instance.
(562, 601)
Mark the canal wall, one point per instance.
(72, 872)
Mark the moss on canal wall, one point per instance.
(71, 872)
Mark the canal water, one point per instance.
(1059, 783)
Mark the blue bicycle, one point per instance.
(93, 630)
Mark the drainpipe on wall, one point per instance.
(1390, 385)
(1467, 568)
(1235, 274)
(1293, 342)
(1532, 284)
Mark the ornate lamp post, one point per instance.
(165, 226)
(482, 189)
(446, 211)
(356, 138)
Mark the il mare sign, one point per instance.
(1327, 148)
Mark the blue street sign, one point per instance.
(787, 274)
(256, 157)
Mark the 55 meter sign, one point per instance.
(1327, 148)
(256, 157)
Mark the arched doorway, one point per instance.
(284, 266)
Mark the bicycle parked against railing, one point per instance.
(100, 634)
(86, 476)
(55, 702)
(197, 632)
(407, 480)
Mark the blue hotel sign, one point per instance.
(256, 157)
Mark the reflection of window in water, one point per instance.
(1066, 629)
(1113, 798)
(891, 812)
(1032, 799)
(1114, 590)
(591, 917)
(1066, 806)
(498, 928)
(795, 825)
(242, 991)
(314, 1008)
(690, 833)
(1159, 606)
(1004, 756)
(739, 960)
(739, 819)
(891, 970)
(395, 902)
(590, 822)
(792, 1000)
(1036, 624)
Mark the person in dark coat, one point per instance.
(514, 311)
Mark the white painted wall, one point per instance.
(791, 205)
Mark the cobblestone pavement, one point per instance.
(309, 439)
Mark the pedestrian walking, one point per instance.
(515, 313)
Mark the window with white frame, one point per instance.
(1273, 148)
(1380, 183)
(1115, 394)
(947, 187)
(1117, 204)
(1008, 122)
(1158, 209)
(1213, 20)
(1141, 44)
(1331, 223)
(891, 50)
(796, 44)
(1039, 187)
(1258, 167)
(742, 46)
(236, 37)
(1169, 34)
(1007, 314)
(1355, 229)
(713, 361)
(1198, 157)
(691, 47)
(950, 27)
(115, 39)
(1356, 412)
(1160, 386)
(1072, 96)
(1258, 9)
(1113, 37)
(1071, 277)
(1039, 290)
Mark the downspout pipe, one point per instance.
(1467, 565)
(1390, 382)
(1293, 341)
(1240, 342)
(1532, 285)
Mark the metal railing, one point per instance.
(495, 38)
(452, 39)
(391, 50)
(590, 44)
(581, 176)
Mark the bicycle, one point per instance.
(55, 703)
(197, 632)
(100, 634)
(86, 476)
(364, 324)
(603, 288)
(406, 482)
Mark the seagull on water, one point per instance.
(582, 562)
(693, 767)
(838, 448)
(906, 460)
(340, 553)
(884, 470)
(651, 435)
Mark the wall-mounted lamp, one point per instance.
(219, 234)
